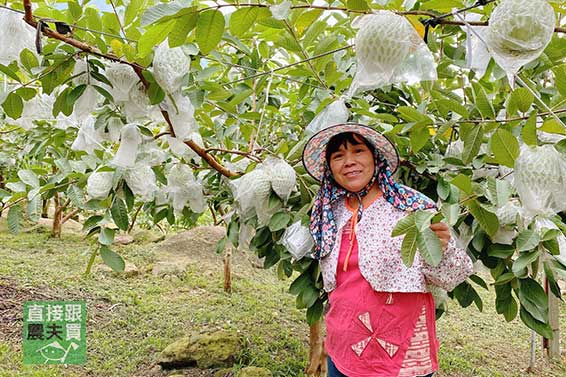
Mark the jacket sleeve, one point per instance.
(454, 267)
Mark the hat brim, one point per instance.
(314, 154)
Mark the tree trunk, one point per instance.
(56, 228)
(227, 270)
(317, 355)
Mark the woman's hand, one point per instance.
(443, 233)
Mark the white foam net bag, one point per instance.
(282, 176)
(519, 31)
(15, 36)
(170, 66)
(509, 213)
(251, 192)
(281, 11)
(182, 187)
(39, 107)
(123, 79)
(151, 154)
(181, 113)
(141, 180)
(130, 140)
(540, 180)
(335, 113)
(87, 138)
(389, 50)
(99, 184)
(298, 240)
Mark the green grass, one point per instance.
(132, 319)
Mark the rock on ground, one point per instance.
(205, 350)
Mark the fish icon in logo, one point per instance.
(54, 351)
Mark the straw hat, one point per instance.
(314, 154)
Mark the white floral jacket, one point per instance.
(380, 258)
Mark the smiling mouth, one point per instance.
(353, 173)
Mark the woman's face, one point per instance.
(352, 165)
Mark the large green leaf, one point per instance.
(520, 100)
(119, 213)
(528, 239)
(429, 246)
(487, 220)
(405, 224)
(210, 26)
(409, 247)
(112, 259)
(472, 143)
(505, 147)
(14, 218)
(153, 36)
(242, 20)
(183, 25)
(279, 221)
(482, 103)
(29, 178)
(13, 105)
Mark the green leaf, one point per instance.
(242, 20)
(300, 283)
(529, 130)
(552, 126)
(75, 94)
(183, 26)
(104, 93)
(411, 114)
(155, 93)
(279, 221)
(463, 182)
(221, 245)
(500, 251)
(120, 213)
(560, 78)
(527, 240)
(521, 99)
(34, 208)
(430, 246)
(13, 105)
(540, 327)
(91, 222)
(521, 263)
(483, 105)
(357, 5)
(29, 178)
(409, 247)
(26, 93)
(28, 59)
(505, 303)
(487, 220)
(9, 72)
(164, 11)
(233, 232)
(419, 136)
(404, 225)
(472, 143)
(534, 299)
(153, 36)
(132, 11)
(309, 296)
(210, 26)
(106, 236)
(14, 218)
(422, 219)
(505, 147)
(111, 259)
(314, 313)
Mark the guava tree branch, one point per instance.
(29, 19)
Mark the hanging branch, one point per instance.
(29, 18)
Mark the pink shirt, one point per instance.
(370, 333)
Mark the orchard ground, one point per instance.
(131, 319)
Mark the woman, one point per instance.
(381, 320)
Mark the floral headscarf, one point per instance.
(322, 223)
